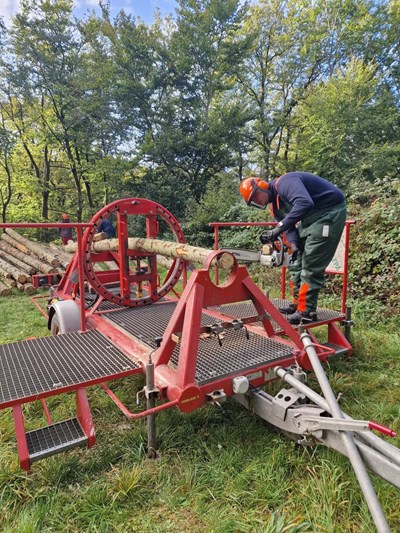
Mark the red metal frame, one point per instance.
(177, 387)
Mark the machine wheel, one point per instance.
(64, 317)
(154, 214)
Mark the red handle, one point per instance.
(382, 429)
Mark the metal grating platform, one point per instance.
(32, 368)
(148, 322)
(246, 309)
(213, 361)
(237, 354)
(52, 439)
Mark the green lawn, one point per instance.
(218, 471)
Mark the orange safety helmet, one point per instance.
(249, 187)
(64, 216)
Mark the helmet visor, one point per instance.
(259, 198)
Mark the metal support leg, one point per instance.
(151, 419)
(352, 452)
(348, 323)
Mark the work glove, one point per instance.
(270, 236)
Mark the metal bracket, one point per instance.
(216, 396)
(285, 399)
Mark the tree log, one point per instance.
(4, 290)
(61, 255)
(20, 286)
(15, 244)
(36, 248)
(18, 275)
(17, 262)
(29, 289)
(8, 282)
(28, 259)
(165, 248)
(5, 274)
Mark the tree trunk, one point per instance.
(29, 289)
(34, 247)
(17, 262)
(15, 244)
(61, 255)
(165, 248)
(20, 287)
(18, 275)
(28, 259)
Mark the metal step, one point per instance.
(55, 438)
(339, 350)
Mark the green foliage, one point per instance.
(350, 131)
(221, 193)
(375, 251)
(97, 109)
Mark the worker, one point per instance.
(312, 213)
(65, 233)
(105, 230)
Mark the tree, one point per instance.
(349, 129)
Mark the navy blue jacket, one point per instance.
(299, 195)
(107, 228)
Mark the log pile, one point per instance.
(21, 258)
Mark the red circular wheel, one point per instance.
(125, 279)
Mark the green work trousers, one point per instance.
(319, 236)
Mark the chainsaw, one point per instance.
(277, 254)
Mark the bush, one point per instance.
(375, 253)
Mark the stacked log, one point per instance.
(36, 248)
(20, 258)
(4, 290)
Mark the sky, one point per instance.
(142, 8)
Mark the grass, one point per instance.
(219, 471)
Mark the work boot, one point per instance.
(288, 309)
(302, 317)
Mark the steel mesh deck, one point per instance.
(246, 309)
(51, 439)
(213, 361)
(237, 354)
(34, 367)
(148, 322)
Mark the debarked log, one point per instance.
(177, 250)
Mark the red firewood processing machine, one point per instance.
(213, 341)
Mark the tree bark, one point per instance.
(27, 288)
(165, 248)
(28, 259)
(4, 290)
(17, 262)
(18, 275)
(34, 247)
(61, 255)
(15, 244)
